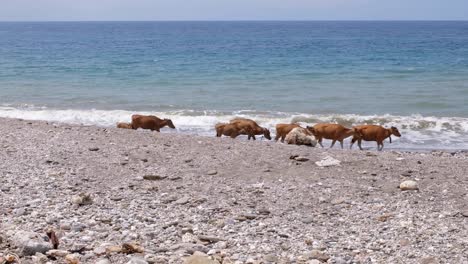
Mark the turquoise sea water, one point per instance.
(410, 74)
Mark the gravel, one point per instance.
(223, 200)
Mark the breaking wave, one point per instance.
(419, 132)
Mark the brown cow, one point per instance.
(283, 129)
(374, 133)
(124, 125)
(229, 130)
(335, 132)
(150, 122)
(250, 128)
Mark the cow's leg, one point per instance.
(341, 143)
(381, 146)
(390, 137)
(359, 144)
(278, 136)
(320, 142)
(352, 143)
(282, 138)
(253, 137)
(378, 145)
(333, 143)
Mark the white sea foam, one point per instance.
(418, 131)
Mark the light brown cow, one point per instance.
(335, 132)
(124, 125)
(374, 133)
(283, 129)
(229, 130)
(250, 128)
(150, 122)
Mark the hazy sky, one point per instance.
(49, 10)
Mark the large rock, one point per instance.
(30, 243)
(300, 136)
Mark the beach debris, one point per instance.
(82, 199)
(10, 258)
(328, 162)
(153, 177)
(52, 238)
(409, 185)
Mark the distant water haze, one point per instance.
(410, 74)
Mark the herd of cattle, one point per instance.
(291, 133)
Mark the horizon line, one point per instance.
(234, 20)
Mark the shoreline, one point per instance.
(388, 146)
(236, 201)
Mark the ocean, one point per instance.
(412, 75)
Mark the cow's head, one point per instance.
(395, 131)
(266, 133)
(169, 123)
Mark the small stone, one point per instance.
(99, 251)
(199, 260)
(314, 261)
(182, 201)
(137, 260)
(319, 255)
(264, 211)
(131, 248)
(211, 239)
(82, 199)
(212, 172)
(301, 159)
(72, 259)
(409, 186)
(153, 177)
(404, 242)
(103, 261)
(249, 216)
(93, 149)
(57, 253)
(328, 162)
(307, 220)
(113, 249)
(429, 260)
(271, 258)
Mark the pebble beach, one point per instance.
(122, 196)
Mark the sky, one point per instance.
(145, 10)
